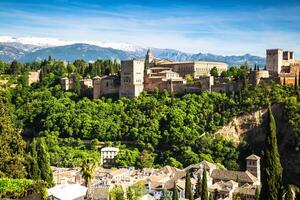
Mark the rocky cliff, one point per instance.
(252, 128)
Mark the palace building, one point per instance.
(184, 68)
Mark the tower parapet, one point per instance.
(132, 78)
(149, 58)
(253, 165)
(274, 61)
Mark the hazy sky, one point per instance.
(220, 27)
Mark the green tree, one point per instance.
(165, 195)
(257, 193)
(87, 171)
(12, 145)
(211, 196)
(289, 193)
(77, 87)
(214, 72)
(145, 160)
(3, 67)
(272, 170)
(35, 172)
(130, 194)
(15, 67)
(80, 66)
(116, 193)
(173, 162)
(136, 191)
(175, 192)
(127, 157)
(198, 191)
(44, 162)
(71, 68)
(188, 187)
(204, 192)
(23, 79)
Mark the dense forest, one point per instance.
(151, 130)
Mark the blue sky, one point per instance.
(220, 27)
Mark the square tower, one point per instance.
(253, 165)
(132, 78)
(274, 61)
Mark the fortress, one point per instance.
(153, 74)
(146, 75)
(281, 67)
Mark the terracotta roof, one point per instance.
(227, 175)
(206, 164)
(168, 169)
(253, 157)
(118, 172)
(223, 186)
(246, 190)
(157, 178)
(179, 174)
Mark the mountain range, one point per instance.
(28, 49)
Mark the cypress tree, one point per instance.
(165, 195)
(272, 170)
(298, 78)
(296, 82)
(257, 193)
(204, 192)
(76, 87)
(188, 187)
(175, 192)
(211, 197)
(289, 193)
(44, 162)
(129, 194)
(198, 187)
(35, 172)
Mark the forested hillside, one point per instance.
(152, 130)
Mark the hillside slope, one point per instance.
(252, 128)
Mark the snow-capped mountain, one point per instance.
(53, 42)
(28, 49)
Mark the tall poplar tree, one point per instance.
(35, 172)
(165, 195)
(198, 187)
(204, 192)
(188, 187)
(257, 193)
(289, 193)
(44, 162)
(175, 192)
(272, 170)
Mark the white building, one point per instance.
(107, 156)
(67, 192)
